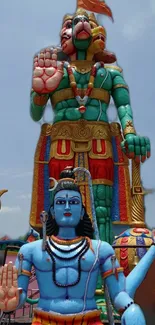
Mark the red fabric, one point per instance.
(56, 166)
(122, 195)
(101, 168)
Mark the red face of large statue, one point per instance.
(66, 38)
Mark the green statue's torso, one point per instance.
(95, 109)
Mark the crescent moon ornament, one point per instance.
(55, 184)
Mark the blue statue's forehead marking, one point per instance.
(67, 194)
(67, 197)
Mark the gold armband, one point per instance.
(129, 128)
(111, 271)
(25, 272)
(120, 86)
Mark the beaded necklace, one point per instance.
(82, 101)
(78, 255)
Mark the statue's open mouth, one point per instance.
(64, 38)
(83, 35)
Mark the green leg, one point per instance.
(103, 203)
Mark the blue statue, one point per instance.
(67, 263)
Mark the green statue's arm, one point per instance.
(134, 146)
(37, 105)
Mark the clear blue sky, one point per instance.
(25, 28)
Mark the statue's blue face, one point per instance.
(67, 208)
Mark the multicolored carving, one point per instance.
(79, 82)
(68, 266)
(135, 242)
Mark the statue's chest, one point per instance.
(102, 79)
(53, 259)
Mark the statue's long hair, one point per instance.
(84, 228)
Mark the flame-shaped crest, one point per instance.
(96, 6)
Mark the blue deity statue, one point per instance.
(67, 263)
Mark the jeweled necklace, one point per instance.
(82, 101)
(66, 251)
(78, 254)
(66, 241)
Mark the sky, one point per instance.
(28, 26)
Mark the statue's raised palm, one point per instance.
(48, 72)
(9, 291)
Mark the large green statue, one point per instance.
(80, 86)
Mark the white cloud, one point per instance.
(7, 209)
(21, 175)
(139, 23)
(152, 6)
(24, 196)
(136, 25)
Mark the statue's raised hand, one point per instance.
(9, 291)
(136, 147)
(48, 72)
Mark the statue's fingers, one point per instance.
(148, 147)
(143, 153)
(54, 58)
(137, 140)
(4, 276)
(9, 275)
(137, 153)
(15, 277)
(41, 62)
(142, 141)
(137, 159)
(130, 151)
(35, 61)
(1, 272)
(42, 54)
(47, 53)
(60, 66)
(47, 62)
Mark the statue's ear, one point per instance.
(82, 212)
(52, 211)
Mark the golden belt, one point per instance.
(81, 131)
(55, 318)
(64, 94)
